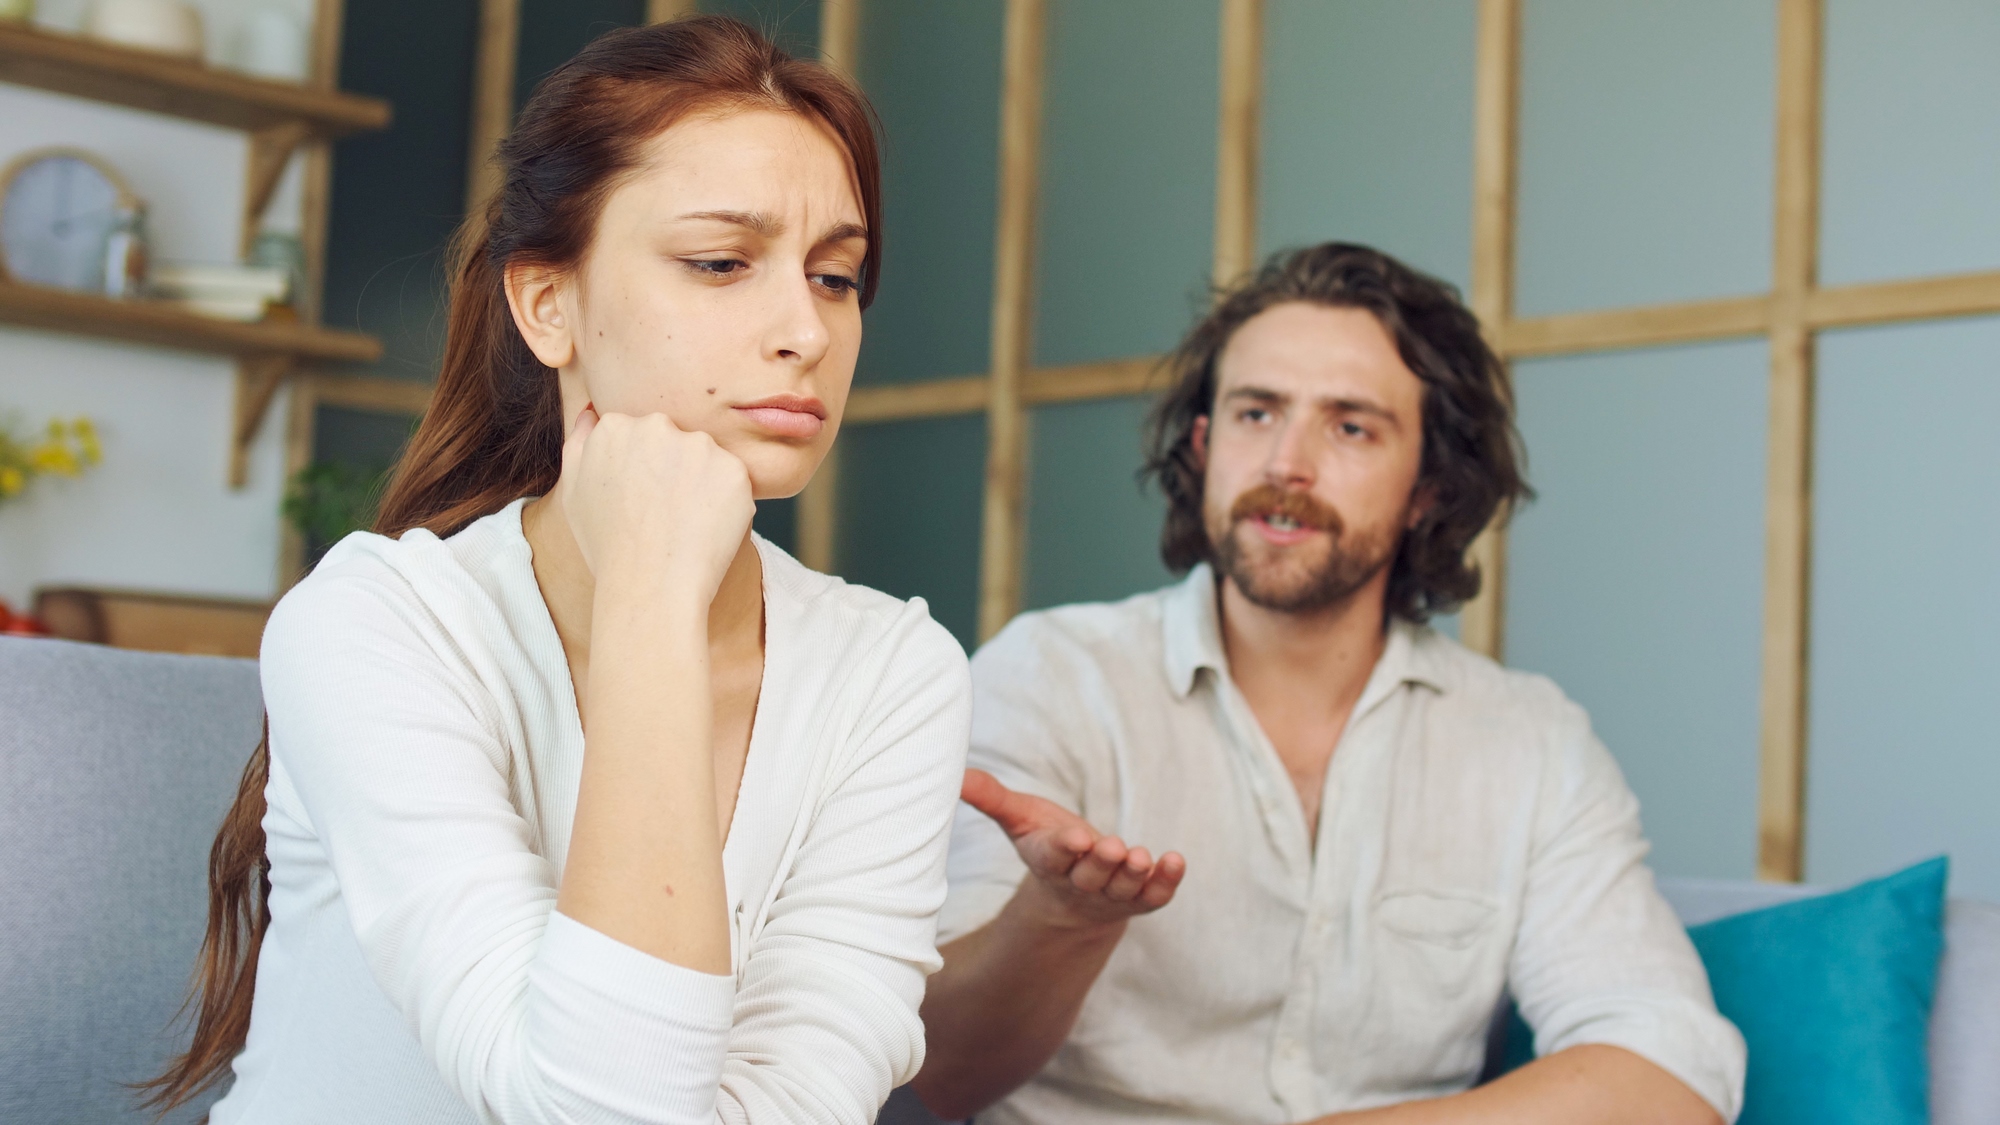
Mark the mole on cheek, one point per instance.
(711, 390)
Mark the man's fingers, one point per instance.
(1095, 869)
(1164, 880)
(1130, 876)
(1008, 809)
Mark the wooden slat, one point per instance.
(1080, 382)
(929, 398)
(660, 11)
(1000, 546)
(1646, 326)
(818, 511)
(492, 97)
(301, 412)
(1496, 112)
(1236, 147)
(68, 64)
(163, 325)
(368, 392)
(1788, 483)
(258, 378)
(1966, 294)
(840, 33)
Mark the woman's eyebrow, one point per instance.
(841, 232)
(758, 222)
(766, 225)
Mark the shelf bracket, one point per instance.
(257, 380)
(270, 151)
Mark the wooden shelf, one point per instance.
(163, 325)
(180, 88)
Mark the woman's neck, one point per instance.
(735, 617)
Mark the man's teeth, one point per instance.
(1282, 523)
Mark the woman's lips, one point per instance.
(787, 416)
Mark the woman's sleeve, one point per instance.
(394, 749)
(826, 1015)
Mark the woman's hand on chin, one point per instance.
(649, 502)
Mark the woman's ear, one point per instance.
(534, 296)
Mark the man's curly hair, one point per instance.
(1472, 455)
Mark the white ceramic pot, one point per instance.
(271, 44)
(169, 27)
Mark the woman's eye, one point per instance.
(839, 283)
(716, 267)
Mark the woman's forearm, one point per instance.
(645, 856)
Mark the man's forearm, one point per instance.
(1004, 1002)
(1587, 1085)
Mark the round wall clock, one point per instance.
(58, 206)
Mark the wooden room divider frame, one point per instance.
(1789, 315)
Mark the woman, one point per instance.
(584, 803)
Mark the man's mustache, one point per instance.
(1302, 508)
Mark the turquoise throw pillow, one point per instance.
(1833, 995)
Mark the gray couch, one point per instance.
(119, 765)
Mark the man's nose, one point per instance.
(1291, 462)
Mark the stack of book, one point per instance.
(227, 292)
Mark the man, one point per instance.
(1384, 832)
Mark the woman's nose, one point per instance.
(798, 333)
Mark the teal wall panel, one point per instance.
(1636, 578)
(1093, 532)
(1904, 758)
(910, 510)
(1368, 128)
(1126, 236)
(933, 72)
(1911, 148)
(791, 24)
(1128, 180)
(1646, 152)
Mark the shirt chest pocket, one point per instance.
(1441, 946)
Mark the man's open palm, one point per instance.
(1091, 878)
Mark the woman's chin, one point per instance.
(779, 477)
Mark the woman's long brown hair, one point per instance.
(494, 430)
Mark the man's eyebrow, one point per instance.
(1361, 406)
(1258, 394)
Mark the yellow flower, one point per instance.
(12, 480)
(50, 457)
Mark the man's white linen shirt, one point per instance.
(1474, 838)
(425, 755)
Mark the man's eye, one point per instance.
(1255, 414)
(1353, 429)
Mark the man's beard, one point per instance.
(1284, 579)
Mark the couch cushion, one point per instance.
(1965, 1025)
(119, 766)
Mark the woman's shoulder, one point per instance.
(379, 588)
(843, 623)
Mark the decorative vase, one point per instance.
(270, 43)
(168, 27)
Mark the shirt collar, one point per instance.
(1192, 628)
